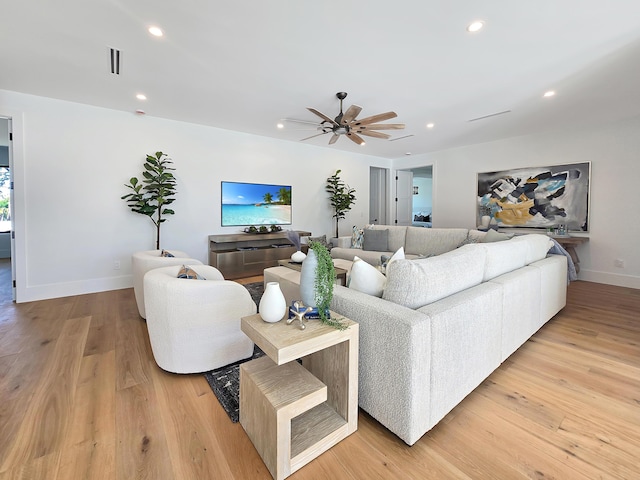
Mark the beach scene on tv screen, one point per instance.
(255, 204)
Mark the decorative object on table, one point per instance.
(273, 305)
(297, 311)
(151, 196)
(538, 197)
(294, 237)
(317, 278)
(298, 257)
(341, 196)
(250, 229)
(275, 228)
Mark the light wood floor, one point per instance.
(81, 398)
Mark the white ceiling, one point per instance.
(245, 65)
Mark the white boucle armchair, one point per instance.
(142, 262)
(194, 325)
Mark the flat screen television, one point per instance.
(246, 204)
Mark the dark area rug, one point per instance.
(225, 381)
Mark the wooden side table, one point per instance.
(569, 244)
(294, 412)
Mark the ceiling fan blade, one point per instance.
(375, 118)
(334, 139)
(380, 126)
(322, 116)
(352, 112)
(293, 120)
(312, 136)
(355, 138)
(373, 133)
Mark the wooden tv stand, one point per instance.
(239, 255)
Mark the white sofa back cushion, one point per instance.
(537, 246)
(501, 257)
(415, 283)
(433, 241)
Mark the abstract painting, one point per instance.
(537, 197)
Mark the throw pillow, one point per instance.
(385, 259)
(357, 237)
(165, 253)
(190, 273)
(366, 278)
(468, 240)
(493, 236)
(375, 240)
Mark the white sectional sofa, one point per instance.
(445, 322)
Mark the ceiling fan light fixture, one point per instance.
(475, 26)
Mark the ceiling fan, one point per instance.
(347, 124)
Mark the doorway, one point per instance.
(378, 197)
(414, 196)
(6, 268)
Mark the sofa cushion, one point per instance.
(376, 240)
(415, 283)
(366, 278)
(433, 241)
(500, 257)
(537, 246)
(396, 237)
(493, 236)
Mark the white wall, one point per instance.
(613, 151)
(70, 165)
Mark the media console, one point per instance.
(239, 255)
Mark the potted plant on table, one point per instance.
(151, 196)
(317, 278)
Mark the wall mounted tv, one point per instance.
(255, 204)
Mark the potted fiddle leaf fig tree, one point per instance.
(157, 189)
(341, 196)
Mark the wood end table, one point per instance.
(292, 411)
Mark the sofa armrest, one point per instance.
(394, 361)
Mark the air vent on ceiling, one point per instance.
(400, 138)
(489, 116)
(114, 57)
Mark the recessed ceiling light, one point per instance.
(431, 125)
(156, 31)
(550, 93)
(280, 125)
(141, 96)
(407, 153)
(475, 26)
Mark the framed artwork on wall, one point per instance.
(537, 197)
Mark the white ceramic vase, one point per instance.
(298, 257)
(273, 305)
(308, 279)
(485, 221)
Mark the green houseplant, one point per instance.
(341, 196)
(323, 282)
(157, 189)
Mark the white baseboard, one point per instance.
(57, 290)
(617, 279)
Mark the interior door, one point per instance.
(404, 197)
(378, 196)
